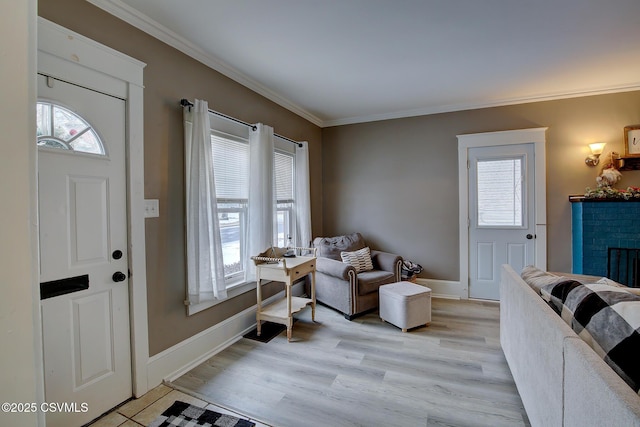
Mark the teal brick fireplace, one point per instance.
(598, 225)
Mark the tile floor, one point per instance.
(142, 411)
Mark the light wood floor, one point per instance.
(368, 373)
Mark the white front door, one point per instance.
(501, 214)
(83, 251)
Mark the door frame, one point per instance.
(66, 55)
(537, 136)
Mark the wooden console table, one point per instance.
(286, 270)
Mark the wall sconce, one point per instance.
(596, 149)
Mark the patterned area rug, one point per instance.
(185, 415)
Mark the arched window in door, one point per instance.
(61, 128)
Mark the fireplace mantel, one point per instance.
(599, 224)
(581, 199)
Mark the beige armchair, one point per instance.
(337, 283)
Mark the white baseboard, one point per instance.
(445, 288)
(186, 355)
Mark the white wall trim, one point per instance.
(186, 355)
(78, 49)
(232, 292)
(62, 51)
(22, 372)
(444, 288)
(537, 136)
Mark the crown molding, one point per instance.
(475, 106)
(142, 22)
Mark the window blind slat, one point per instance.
(231, 168)
(500, 192)
(284, 176)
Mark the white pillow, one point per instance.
(360, 259)
(609, 282)
(606, 281)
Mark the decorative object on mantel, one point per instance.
(632, 141)
(613, 161)
(631, 159)
(631, 193)
(629, 163)
(607, 178)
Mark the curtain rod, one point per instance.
(186, 103)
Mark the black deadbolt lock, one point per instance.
(117, 254)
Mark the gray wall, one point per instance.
(168, 77)
(396, 181)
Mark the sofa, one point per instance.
(562, 381)
(340, 286)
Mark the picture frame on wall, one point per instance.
(632, 141)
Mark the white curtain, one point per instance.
(302, 196)
(262, 195)
(205, 267)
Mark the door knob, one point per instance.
(530, 236)
(119, 276)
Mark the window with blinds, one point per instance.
(500, 202)
(231, 175)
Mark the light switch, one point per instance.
(151, 208)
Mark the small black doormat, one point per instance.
(268, 332)
(185, 415)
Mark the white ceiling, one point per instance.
(348, 61)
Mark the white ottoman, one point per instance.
(405, 305)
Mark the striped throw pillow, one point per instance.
(360, 259)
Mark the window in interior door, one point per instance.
(500, 201)
(61, 128)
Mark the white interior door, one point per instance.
(501, 214)
(83, 245)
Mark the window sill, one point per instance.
(232, 291)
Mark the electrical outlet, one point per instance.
(151, 208)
